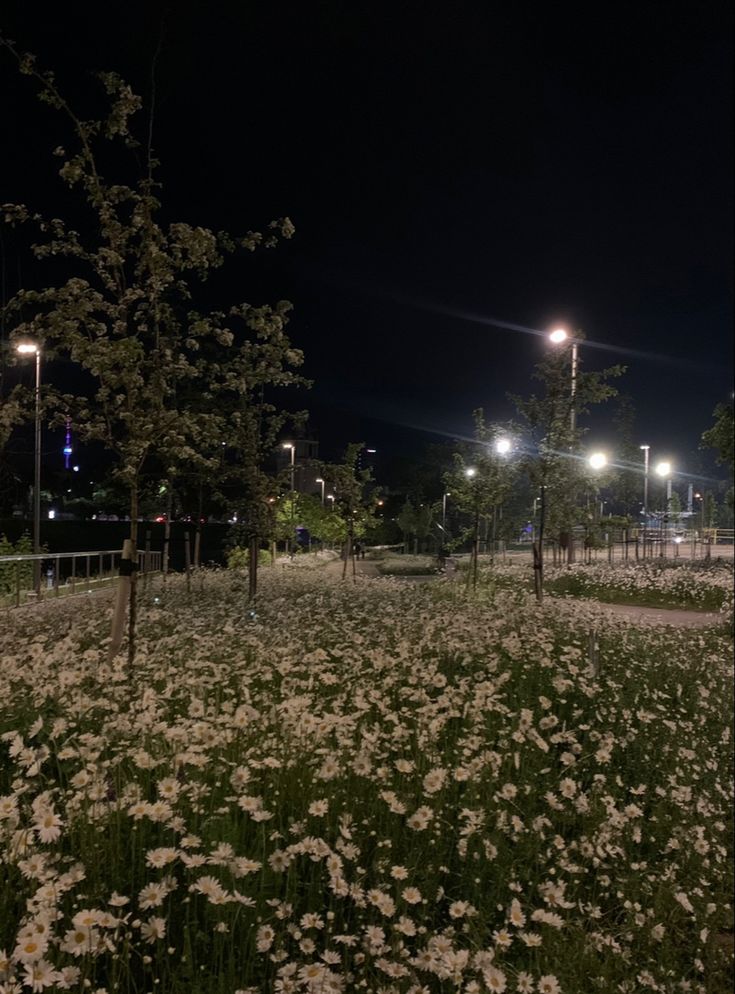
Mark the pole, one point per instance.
(37, 483)
(444, 512)
(293, 458)
(575, 357)
(645, 483)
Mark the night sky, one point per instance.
(532, 164)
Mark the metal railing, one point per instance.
(65, 573)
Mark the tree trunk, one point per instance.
(133, 615)
(187, 561)
(475, 550)
(198, 534)
(538, 551)
(253, 568)
(167, 529)
(348, 554)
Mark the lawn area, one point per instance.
(369, 786)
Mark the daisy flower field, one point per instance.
(372, 786)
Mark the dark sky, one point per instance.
(527, 163)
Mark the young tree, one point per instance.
(721, 436)
(124, 315)
(481, 480)
(352, 497)
(553, 463)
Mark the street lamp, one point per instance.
(470, 472)
(331, 497)
(557, 337)
(292, 447)
(598, 460)
(663, 469)
(321, 481)
(503, 446)
(31, 348)
(645, 449)
(444, 510)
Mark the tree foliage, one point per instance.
(721, 436)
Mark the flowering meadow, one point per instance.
(365, 786)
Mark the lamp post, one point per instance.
(292, 447)
(321, 481)
(28, 348)
(663, 469)
(471, 473)
(331, 498)
(557, 337)
(444, 510)
(645, 449)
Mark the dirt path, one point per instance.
(664, 616)
(363, 567)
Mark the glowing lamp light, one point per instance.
(318, 480)
(287, 445)
(52, 514)
(67, 450)
(558, 335)
(75, 468)
(503, 446)
(26, 348)
(470, 472)
(678, 539)
(598, 460)
(664, 469)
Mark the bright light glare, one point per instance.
(288, 445)
(502, 446)
(26, 348)
(597, 460)
(470, 471)
(678, 539)
(664, 469)
(319, 480)
(558, 335)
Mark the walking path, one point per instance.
(664, 616)
(655, 615)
